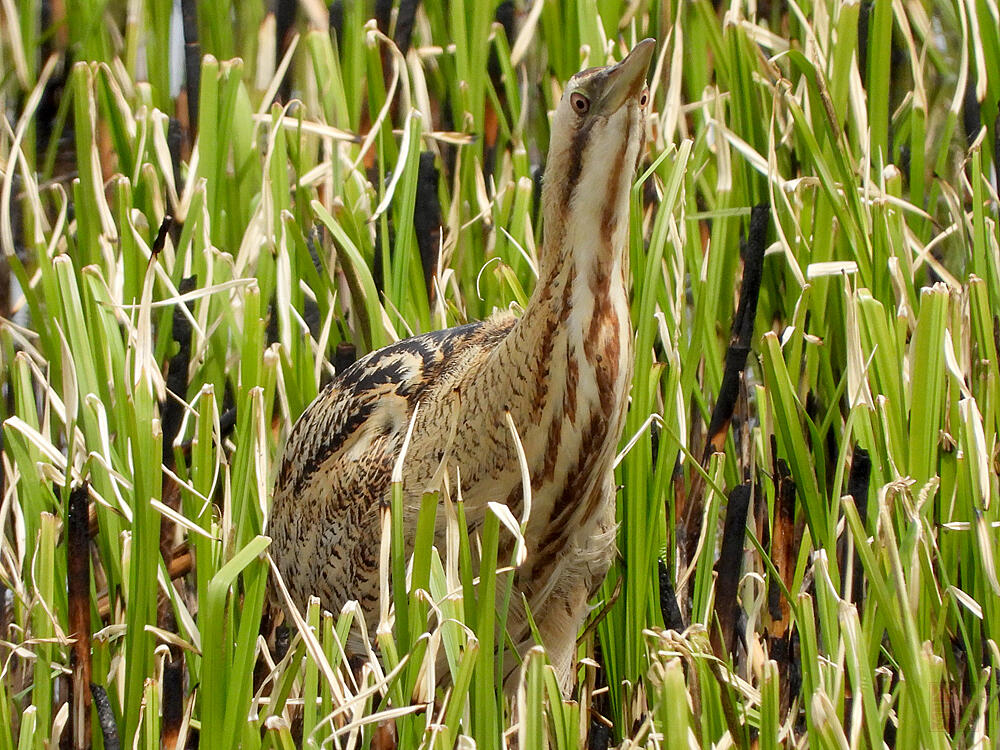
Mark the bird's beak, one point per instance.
(626, 79)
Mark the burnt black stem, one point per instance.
(741, 338)
(730, 567)
(78, 592)
(192, 63)
(105, 717)
(427, 219)
(404, 24)
(173, 701)
(857, 487)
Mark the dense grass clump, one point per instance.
(203, 216)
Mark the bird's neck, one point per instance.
(569, 357)
(563, 372)
(583, 269)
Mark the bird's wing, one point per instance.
(338, 461)
(371, 402)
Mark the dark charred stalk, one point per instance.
(173, 683)
(762, 524)
(282, 640)
(78, 585)
(173, 702)
(599, 736)
(672, 618)
(857, 488)
(382, 14)
(427, 219)
(426, 226)
(172, 414)
(344, 356)
(729, 569)
(864, 20)
(971, 117)
(404, 24)
(785, 652)
(336, 10)
(786, 537)
(741, 338)
(284, 28)
(192, 64)
(106, 717)
(175, 138)
(227, 421)
(740, 342)
(161, 237)
(171, 410)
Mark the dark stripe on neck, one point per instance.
(609, 213)
(577, 150)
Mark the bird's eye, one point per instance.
(643, 97)
(579, 102)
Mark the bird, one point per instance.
(560, 372)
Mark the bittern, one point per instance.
(562, 371)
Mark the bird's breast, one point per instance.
(573, 436)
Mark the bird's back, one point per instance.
(338, 462)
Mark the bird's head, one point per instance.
(596, 142)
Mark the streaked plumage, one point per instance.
(562, 370)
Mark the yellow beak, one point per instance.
(627, 79)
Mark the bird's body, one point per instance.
(562, 371)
